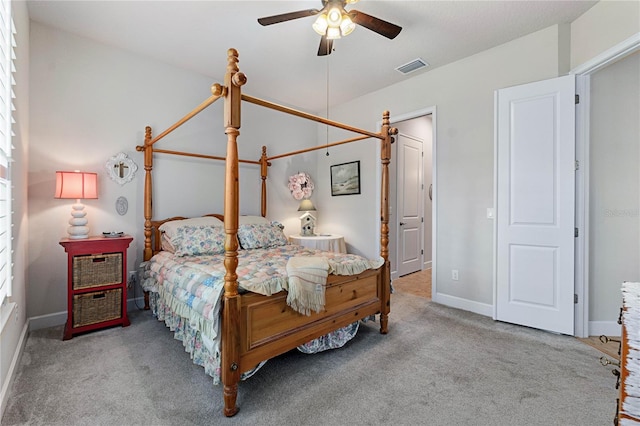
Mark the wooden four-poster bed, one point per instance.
(255, 327)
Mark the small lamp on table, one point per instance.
(77, 185)
(307, 220)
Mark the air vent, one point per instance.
(412, 66)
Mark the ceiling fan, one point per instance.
(334, 22)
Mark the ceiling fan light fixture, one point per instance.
(334, 17)
(321, 24)
(333, 33)
(346, 25)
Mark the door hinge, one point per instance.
(577, 99)
(421, 251)
(575, 298)
(422, 219)
(576, 232)
(577, 165)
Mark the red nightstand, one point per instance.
(96, 283)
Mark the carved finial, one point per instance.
(264, 150)
(232, 60)
(218, 90)
(239, 79)
(147, 132)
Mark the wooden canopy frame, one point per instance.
(233, 354)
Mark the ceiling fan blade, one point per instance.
(326, 46)
(276, 19)
(374, 24)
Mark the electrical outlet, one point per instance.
(454, 274)
(132, 279)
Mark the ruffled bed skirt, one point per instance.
(207, 354)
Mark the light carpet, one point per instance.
(437, 366)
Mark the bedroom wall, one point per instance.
(91, 101)
(614, 185)
(463, 93)
(13, 333)
(606, 24)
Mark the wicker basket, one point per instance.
(98, 270)
(99, 306)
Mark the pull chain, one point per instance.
(327, 154)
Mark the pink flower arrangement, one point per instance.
(300, 185)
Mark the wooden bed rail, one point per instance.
(191, 154)
(218, 92)
(308, 116)
(317, 147)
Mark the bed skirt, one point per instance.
(206, 353)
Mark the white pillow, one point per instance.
(252, 220)
(170, 228)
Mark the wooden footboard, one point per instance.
(269, 327)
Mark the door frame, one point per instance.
(583, 90)
(434, 216)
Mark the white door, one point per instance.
(410, 204)
(535, 149)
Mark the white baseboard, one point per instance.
(59, 318)
(464, 304)
(427, 265)
(608, 328)
(46, 321)
(4, 393)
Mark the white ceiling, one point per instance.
(280, 60)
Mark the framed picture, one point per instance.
(345, 178)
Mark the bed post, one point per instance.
(230, 357)
(148, 194)
(385, 158)
(263, 174)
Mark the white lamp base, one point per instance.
(78, 229)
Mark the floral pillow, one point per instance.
(261, 235)
(193, 240)
(170, 229)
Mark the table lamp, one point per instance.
(78, 185)
(307, 220)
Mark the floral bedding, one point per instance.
(187, 290)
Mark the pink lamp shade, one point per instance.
(77, 185)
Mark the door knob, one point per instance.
(402, 223)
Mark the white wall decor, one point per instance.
(121, 168)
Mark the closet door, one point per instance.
(535, 193)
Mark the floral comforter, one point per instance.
(187, 291)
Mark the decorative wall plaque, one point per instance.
(122, 205)
(121, 168)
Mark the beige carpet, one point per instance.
(417, 284)
(437, 366)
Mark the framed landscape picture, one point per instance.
(345, 178)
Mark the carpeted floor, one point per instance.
(437, 366)
(419, 284)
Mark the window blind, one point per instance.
(7, 57)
